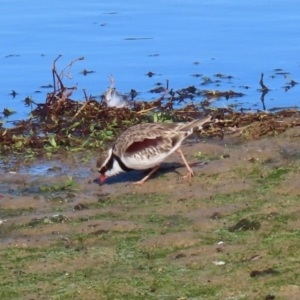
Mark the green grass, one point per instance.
(133, 246)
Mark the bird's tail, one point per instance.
(196, 125)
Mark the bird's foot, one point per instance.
(189, 175)
(139, 182)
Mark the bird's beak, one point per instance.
(102, 178)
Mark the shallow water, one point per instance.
(128, 39)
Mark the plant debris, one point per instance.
(269, 297)
(268, 271)
(245, 224)
(80, 206)
(180, 255)
(99, 232)
(63, 124)
(48, 220)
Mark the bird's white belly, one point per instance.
(144, 162)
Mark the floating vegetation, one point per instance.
(63, 124)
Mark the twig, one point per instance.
(112, 81)
(141, 112)
(54, 71)
(83, 106)
(54, 74)
(71, 90)
(264, 90)
(69, 66)
(261, 82)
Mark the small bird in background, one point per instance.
(113, 98)
(146, 146)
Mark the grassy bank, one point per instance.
(230, 233)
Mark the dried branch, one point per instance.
(261, 82)
(69, 66)
(87, 101)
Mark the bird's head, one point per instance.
(108, 165)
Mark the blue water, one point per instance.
(130, 38)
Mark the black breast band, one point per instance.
(122, 165)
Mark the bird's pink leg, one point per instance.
(190, 173)
(147, 177)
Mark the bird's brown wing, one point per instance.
(147, 138)
(141, 145)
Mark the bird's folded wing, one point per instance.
(155, 143)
